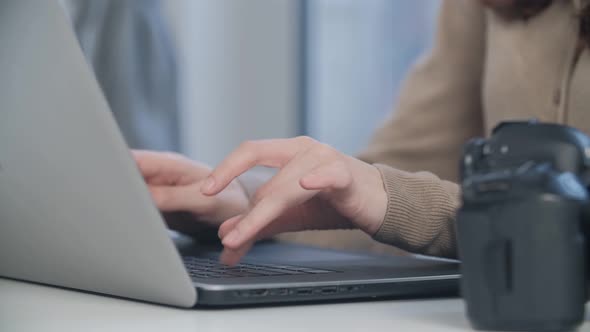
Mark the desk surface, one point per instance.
(29, 307)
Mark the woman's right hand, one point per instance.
(175, 184)
(316, 187)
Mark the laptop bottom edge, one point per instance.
(327, 293)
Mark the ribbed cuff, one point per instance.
(420, 212)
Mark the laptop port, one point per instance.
(329, 290)
(279, 291)
(348, 289)
(258, 292)
(304, 291)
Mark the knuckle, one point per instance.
(248, 145)
(339, 167)
(248, 149)
(161, 198)
(325, 152)
(305, 140)
(173, 156)
(242, 228)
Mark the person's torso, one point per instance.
(532, 68)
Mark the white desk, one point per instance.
(26, 307)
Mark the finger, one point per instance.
(258, 221)
(259, 217)
(181, 198)
(282, 193)
(152, 163)
(161, 168)
(334, 176)
(270, 153)
(233, 256)
(228, 226)
(274, 228)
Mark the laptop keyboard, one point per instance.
(210, 268)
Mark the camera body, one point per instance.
(521, 228)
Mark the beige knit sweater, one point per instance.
(481, 70)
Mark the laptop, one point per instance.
(76, 213)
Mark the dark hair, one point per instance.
(518, 9)
(525, 9)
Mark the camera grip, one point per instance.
(522, 264)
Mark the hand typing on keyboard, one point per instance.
(175, 184)
(316, 187)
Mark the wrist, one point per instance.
(369, 195)
(377, 201)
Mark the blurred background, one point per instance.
(201, 76)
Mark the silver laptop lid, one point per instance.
(74, 211)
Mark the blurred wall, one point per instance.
(239, 72)
(128, 44)
(358, 54)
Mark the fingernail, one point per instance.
(223, 258)
(227, 258)
(208, 185)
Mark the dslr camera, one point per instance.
(522, 227)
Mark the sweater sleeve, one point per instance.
(439, 106)
(420, 212)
